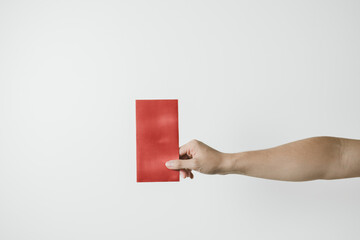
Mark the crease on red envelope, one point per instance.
(157, 139)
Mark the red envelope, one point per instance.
(157, 139)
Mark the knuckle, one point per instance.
(194, 141)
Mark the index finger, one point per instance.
(185, 149)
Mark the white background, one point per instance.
(248, 75)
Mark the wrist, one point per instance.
(233, 163)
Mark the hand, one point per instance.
(198, 156)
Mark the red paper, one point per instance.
(157, 139)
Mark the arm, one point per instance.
(303, 160)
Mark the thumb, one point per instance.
(181, 164)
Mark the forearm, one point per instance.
(303, 160)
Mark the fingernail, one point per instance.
(168, 164)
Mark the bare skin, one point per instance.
(303, 160)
